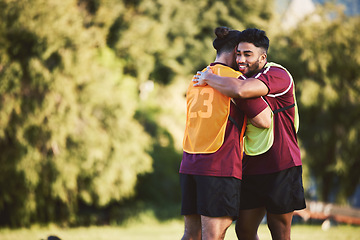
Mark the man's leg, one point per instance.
(280, 225)
(248, 223)
(192, 227)
(214, 228)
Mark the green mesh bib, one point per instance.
(259, 140)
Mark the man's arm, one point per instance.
(263, 119)
(232, 87)
(256, 109)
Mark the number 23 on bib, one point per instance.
(207, 115)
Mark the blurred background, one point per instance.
(92, 100)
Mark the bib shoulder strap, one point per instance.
(284, 108)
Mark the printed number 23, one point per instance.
(207, 102)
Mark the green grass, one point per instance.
(152, 230)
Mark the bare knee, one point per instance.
(214, 228)
(246, 232)
(191, 235)
(248, 223)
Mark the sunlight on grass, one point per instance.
(306, 232)
(154, 230)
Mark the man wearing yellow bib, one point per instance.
(211, 168)
(272, 167)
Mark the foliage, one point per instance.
(67, 130)
(163, 38)
(323, 55)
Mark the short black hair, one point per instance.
(255, 36)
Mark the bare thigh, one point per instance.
(280, 225)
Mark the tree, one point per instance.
(323, 55)
(67, 131)
(162, 39)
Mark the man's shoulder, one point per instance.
(225, 71)
(275, 72)
(276, 69)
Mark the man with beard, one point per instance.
(272, 167)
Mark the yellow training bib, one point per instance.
(207, 115)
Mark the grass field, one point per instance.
(167, 231)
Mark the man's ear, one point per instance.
(263, 57)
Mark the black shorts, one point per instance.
(280, 192)
(210, 196)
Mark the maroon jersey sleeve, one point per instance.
(251, 106)
(276, 79)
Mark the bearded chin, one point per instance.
(253, 69)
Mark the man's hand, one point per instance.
(199, 78)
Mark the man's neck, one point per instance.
(261, 66)
(224, 59)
